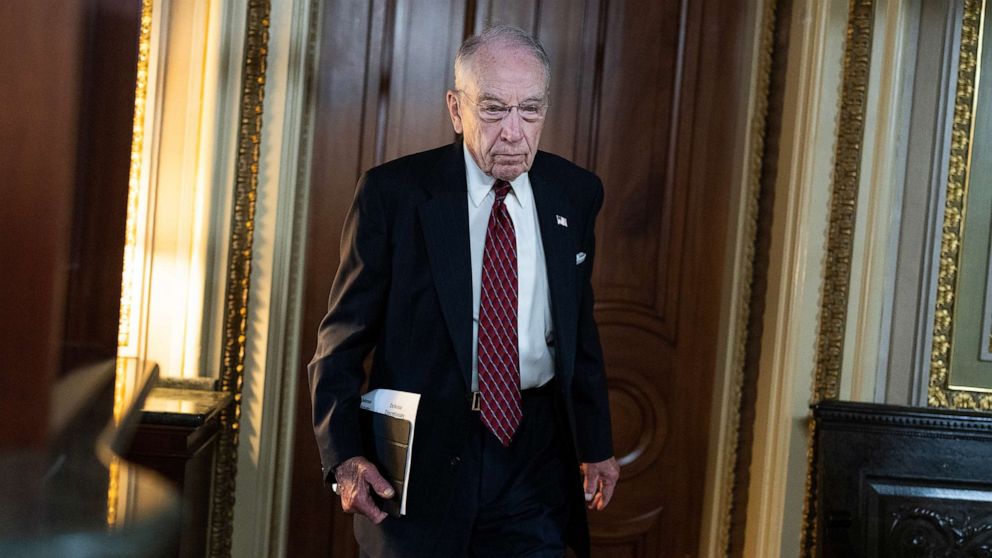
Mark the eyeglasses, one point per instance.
(494, 111)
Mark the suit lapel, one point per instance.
(559, 256)
(445, 223)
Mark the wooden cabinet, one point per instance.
(177, 438)
(902, 481)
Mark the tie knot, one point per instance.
(502, 188)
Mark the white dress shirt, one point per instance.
(534, 324)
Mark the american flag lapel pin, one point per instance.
(561, 220)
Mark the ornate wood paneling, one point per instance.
(634, 123)
(410, 82)
(931, 520)
(570, 34)
(634, 130)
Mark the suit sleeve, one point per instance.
(350, 328)
(589, 390)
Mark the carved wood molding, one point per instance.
(844, 197)
(840, 236)
(919, 531)
(943, 423)
(745, 277)
(283, 372)
(125, 338)
(239, 272)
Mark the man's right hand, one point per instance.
(354, 477)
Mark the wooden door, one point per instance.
(640, 95)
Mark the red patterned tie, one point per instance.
(499, 360)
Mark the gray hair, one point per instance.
(504, 35)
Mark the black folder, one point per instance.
(387, 444)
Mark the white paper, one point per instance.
(402, 405)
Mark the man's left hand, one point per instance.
(600, 480)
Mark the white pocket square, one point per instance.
(580, 257)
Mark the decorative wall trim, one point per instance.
(943, 423)
(129, 294)
(879, 217)
(940, 393)
(840, 236)
(129, 289)
(788, 327)
(239, 271)
(716, 537)
(945, 532)
(268, 419)
(844, 197)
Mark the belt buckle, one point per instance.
(476, 400)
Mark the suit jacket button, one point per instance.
(455, 461)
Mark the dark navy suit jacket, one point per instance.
(404, 289)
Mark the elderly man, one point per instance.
(467, 269)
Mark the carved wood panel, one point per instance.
(918, 518)
(625, 84)
(902, 481)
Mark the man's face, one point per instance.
(499, 77)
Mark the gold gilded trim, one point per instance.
(844, 197)
(128, 289)
(940, 392)
(840, 236)
(239, 272)
(809, 539)
(756, 163)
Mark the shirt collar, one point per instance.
(480, 183)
